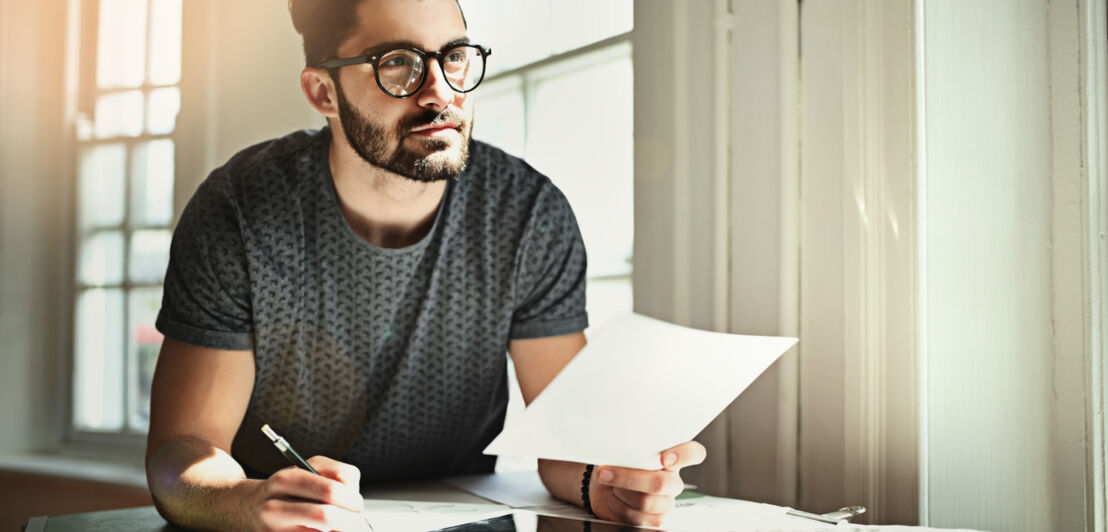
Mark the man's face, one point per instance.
(425, 136)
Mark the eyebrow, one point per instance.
(380, 48)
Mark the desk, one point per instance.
(147, 519)
(409, 507)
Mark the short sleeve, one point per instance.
(550, 272)
(206, 298)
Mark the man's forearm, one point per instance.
(199, 486)
(562, 479)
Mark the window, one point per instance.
(559, 94)
(128, 96)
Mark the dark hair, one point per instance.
(325, 24)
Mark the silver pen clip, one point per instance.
(845, 513)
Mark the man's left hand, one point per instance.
(641, 497)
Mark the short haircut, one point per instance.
(325, 24)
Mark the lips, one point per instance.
(435, 129)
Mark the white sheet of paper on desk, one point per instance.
(420, 516)
(519, 489)
(639, 387)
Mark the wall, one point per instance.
(1078, 53)
(931, 385)
(858, 397)
(681, 271)
(238, 87)
(763, 248)
(33, 212)
(986, 236)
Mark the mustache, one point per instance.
(428, 117)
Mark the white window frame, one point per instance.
(82, 63)
(528, 77)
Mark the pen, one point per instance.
(295, 457)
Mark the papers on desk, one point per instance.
(639, 387)
(421, 516)
(521, 489)
(693, 513)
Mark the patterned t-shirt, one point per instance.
(389, 359)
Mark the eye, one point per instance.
(456, 55)
(396, 61)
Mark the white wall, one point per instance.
(1079, 93)
(932, 385)
(681, 186)
(240, 83)
(858, 247)
(987, 294)
(33, 212)
(763, 250)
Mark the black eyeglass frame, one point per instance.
(373, 61)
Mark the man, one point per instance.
(356, 287)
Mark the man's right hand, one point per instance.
(198, 400)
(293, 497)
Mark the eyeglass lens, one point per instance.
(401, 72)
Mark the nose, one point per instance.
(436, 93)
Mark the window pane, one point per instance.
(161, 115)
(144, 344)
(524, 31)
(98, 364)
(149, 256)
(121, 51)
(83, 126)
(597, 178)
(165, 42)
(101, 259)
(499, 119)
(516, 30)
(119, 114)
(101, 186)
(602, 20)
(152, 195)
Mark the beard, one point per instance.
(371, 141)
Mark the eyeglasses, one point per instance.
(401, 72)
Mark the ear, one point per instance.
(319, 89)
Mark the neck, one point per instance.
(383, 208)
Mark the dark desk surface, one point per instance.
(143, 518)
(146, 518)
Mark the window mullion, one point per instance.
(527, 83)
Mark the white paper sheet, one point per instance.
(421, 516)
(521, 489)
(639, 387)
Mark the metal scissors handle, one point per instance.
(845, 513)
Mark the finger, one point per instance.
(687, 454)
(279, 514)
(645, 502)
(652, 482)
(340, 471)
(300, 484)
(629, 515)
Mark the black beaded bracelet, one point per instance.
(585, 503)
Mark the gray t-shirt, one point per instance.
(390, 359)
